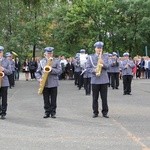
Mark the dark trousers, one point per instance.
(138, 73)
(102, 90)
(87, 86)
(109, 77)
(127, 79)
(80, 81)
(11, 80)
(3, 100)
(70, 74)
(115, 79)
(50, 100)
(76, 77)
(63, 76)
(32, 74)
(17, 75)
(147, 73)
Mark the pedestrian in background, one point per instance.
(26, 69)
(32, 68)
(17, 68)
(70, 69)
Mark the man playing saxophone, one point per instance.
(97, 65)
(5, 69)
(52, 66)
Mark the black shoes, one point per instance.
(115, 88)
(53, 116)
(46, 116)
(105, 116)
(3, 117)
(95, 115)
(127, 94)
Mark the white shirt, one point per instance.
(146, 64)
(64, 61)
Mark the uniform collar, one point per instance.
(1, 58)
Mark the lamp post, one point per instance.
(146, 51)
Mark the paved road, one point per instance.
(128, 127)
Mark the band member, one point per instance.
(87, 80)
(50, 88)
(127, 66)
(109, 69)
(97, 66)
(82, 61)
(77, 69)
(114, 69)
(11, 77)
(5, 70)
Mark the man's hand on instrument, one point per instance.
(127, 65)
(1, 69)
(40, 80)
(101, 61)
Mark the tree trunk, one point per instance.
(34, 48)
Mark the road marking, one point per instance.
(132, 136)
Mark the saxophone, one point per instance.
(47, 69)
(1, 74)
(99, 65)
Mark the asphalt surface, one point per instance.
(128, 127)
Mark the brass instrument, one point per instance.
(115, 63)
(47, 69)
(99, 65)
(1, 75)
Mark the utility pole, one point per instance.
(146, 54)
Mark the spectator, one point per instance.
(26, 69)
(32, 68)
(17, 68)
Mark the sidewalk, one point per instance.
(74, 128)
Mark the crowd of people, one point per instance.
(95, 73)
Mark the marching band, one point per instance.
(95, 73)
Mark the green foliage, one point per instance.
(70, 25)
